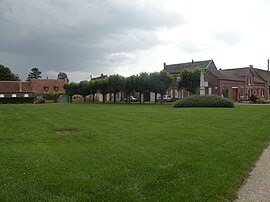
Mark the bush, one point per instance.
(204, 101)
(260, 101)
(51, 96)
(40, 101)
(16, 100)
(253, 98)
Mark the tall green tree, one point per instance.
(71, 89)
(154, 82)
(7, 75)
(103, 87)
(93, 89)
(165, 80)
(129, 87)
(116, 84)
(34, 74)
(190, 80)
(142, 84)
(84, 89)
(62, 75)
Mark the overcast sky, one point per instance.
(90, 37)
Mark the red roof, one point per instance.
(15, 87)
(47, 85)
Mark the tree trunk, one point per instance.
(93, 98)
(103, 98)
(114, 97)
(155, 97)
(70, 97)
(140, 98)
(84, 97)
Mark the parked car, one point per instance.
(165, 98)
(131, 99)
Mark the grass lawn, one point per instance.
(128, 152)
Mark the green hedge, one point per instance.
(16, 100)
(51, 96)
(204, 101)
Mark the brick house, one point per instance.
(41, 86)
(240, 83)
(30, 88)
(176, 69)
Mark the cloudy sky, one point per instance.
(90, 37)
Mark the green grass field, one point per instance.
(128, 152)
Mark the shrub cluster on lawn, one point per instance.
(16, 100)
(204, 101)
(255, 99)
(51, 96)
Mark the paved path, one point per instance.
(257, 186)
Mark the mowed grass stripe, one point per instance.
(128, 152)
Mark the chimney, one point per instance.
(251, 66)
(268, 65)
(164, 64)
(101, 75)
(91, 76)
(192, 61)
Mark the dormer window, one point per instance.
(249, 81)
(46, 88)
(56, 88)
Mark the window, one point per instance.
(26, 95)
(56, 88)
(13, 95)
(249, 81)
(2, 95)
(46, 88)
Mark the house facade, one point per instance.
(240, 83)
(176, 69)
(15, 89)
(30, 88)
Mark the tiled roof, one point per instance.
(177, 68)
(239, 74)
(15, 87)
(265, 75)
(51, 84)
(100, 77)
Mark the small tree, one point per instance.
(71, 89)
(93, 88)
(34, 74)
(83, 89)
(142, 84)
(129, 86)
(62, 75)
(165, 80)
(103, 87)
(116, 84)
(7, 75)
(154, 81)
(190, 80)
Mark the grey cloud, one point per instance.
(227, 37)
(65, 34)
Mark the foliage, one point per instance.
(129, 87)
(17, 100)
(225, 92)
(166, 154)
(71, 89)
(116, 84)
(103, 87)
(261, 101)
(84, 89)
(190, 80)
(141, 83)
(204, 101)
(253, 98)
(93, 89)
(7, 75)
(34, 74)
(62, 75)
(51, 95)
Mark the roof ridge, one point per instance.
(189, 62)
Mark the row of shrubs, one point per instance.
(17, 100)
(52, 96)
(255, 99)
(204, 101)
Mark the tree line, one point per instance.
(156, 82)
